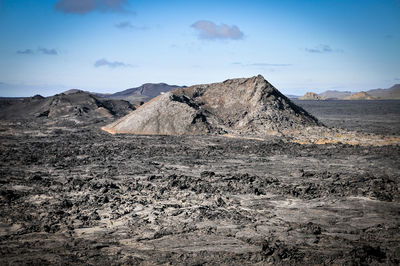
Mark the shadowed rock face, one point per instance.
(235, 106)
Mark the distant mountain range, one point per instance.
(148, 91)
(392, 93)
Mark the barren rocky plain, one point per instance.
(71, 193)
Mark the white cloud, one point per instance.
(323, 48)
(209, 30)
(114, 64)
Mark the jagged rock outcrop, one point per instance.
(249, 106)
(362, 95)
(311, 96)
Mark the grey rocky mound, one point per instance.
(250, 106)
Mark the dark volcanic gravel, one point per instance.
(77, 195)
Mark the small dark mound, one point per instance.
(37, 97)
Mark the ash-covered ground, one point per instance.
(73, 194)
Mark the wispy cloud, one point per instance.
(26, 51)
(397, 79)
(87, 6)
(47, 51)
(40, 50)
(129, 25)
(323, 48)
(114, 64)
(210, 31)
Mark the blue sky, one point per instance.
(49, 46)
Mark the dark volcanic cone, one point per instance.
(236, 106)
(79, 106)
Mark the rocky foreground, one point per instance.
(83, 196)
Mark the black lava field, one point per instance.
(74, 194)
